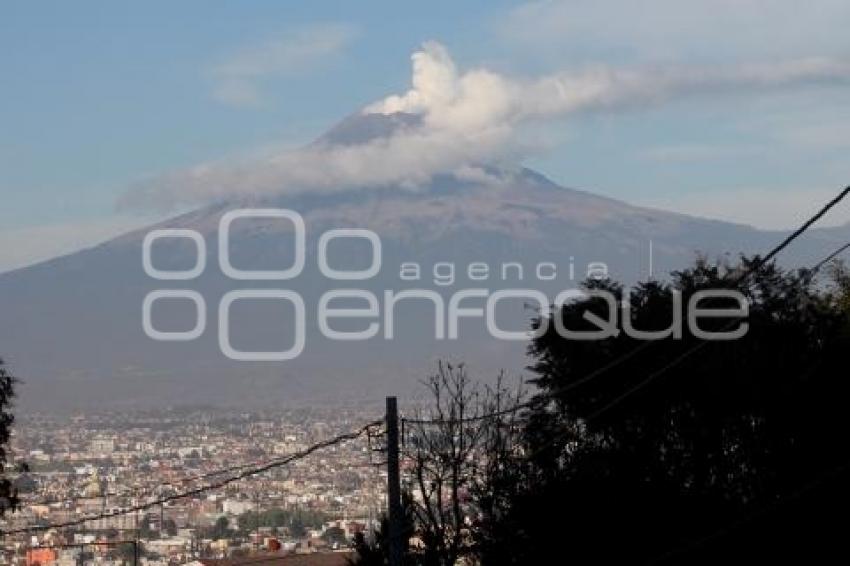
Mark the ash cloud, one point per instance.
(467, 118)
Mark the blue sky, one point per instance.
(98, 97)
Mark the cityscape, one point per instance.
(511, 283)
(93, 464)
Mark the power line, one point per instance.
(209, 487)
(755, 267)
(699, 346)
(472, 419)
(829, 258)
(793, 236)
(741, 278)
(760, 262)
(758, 513)
(654, 375)
(147, 489)
(150, 489)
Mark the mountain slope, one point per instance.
(72, 326)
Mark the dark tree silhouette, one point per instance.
(8, 491)
(373, 549)
(737, 452)
(450, 449)
(451, 446)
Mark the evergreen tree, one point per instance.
(719, 449)
(8, 491)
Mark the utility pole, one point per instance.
(394, 510)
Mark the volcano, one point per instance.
(72, 326)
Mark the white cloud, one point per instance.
(665, 30)
(237, 78)
(408, 159)
(471, 117)
(481, 98)
(474, 100)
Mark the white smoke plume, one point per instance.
(468, 119)
(480, 98)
